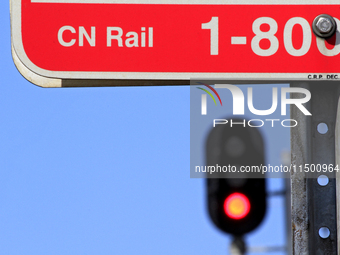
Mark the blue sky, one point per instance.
(105, 171)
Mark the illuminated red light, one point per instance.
(237, 206)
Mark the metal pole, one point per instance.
(313, 205)
(286, 161)
(237, 246)
(337, 160)
(288, 217)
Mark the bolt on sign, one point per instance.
(59, 43)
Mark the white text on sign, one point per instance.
(213, 26)
(115, 37)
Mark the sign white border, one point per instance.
(46, 78)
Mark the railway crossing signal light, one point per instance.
(236, 200)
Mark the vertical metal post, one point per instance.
(288, 215)
(286, 161)
(337, 160)
(313, 205)
(238, 246)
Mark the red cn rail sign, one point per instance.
(163, 41)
